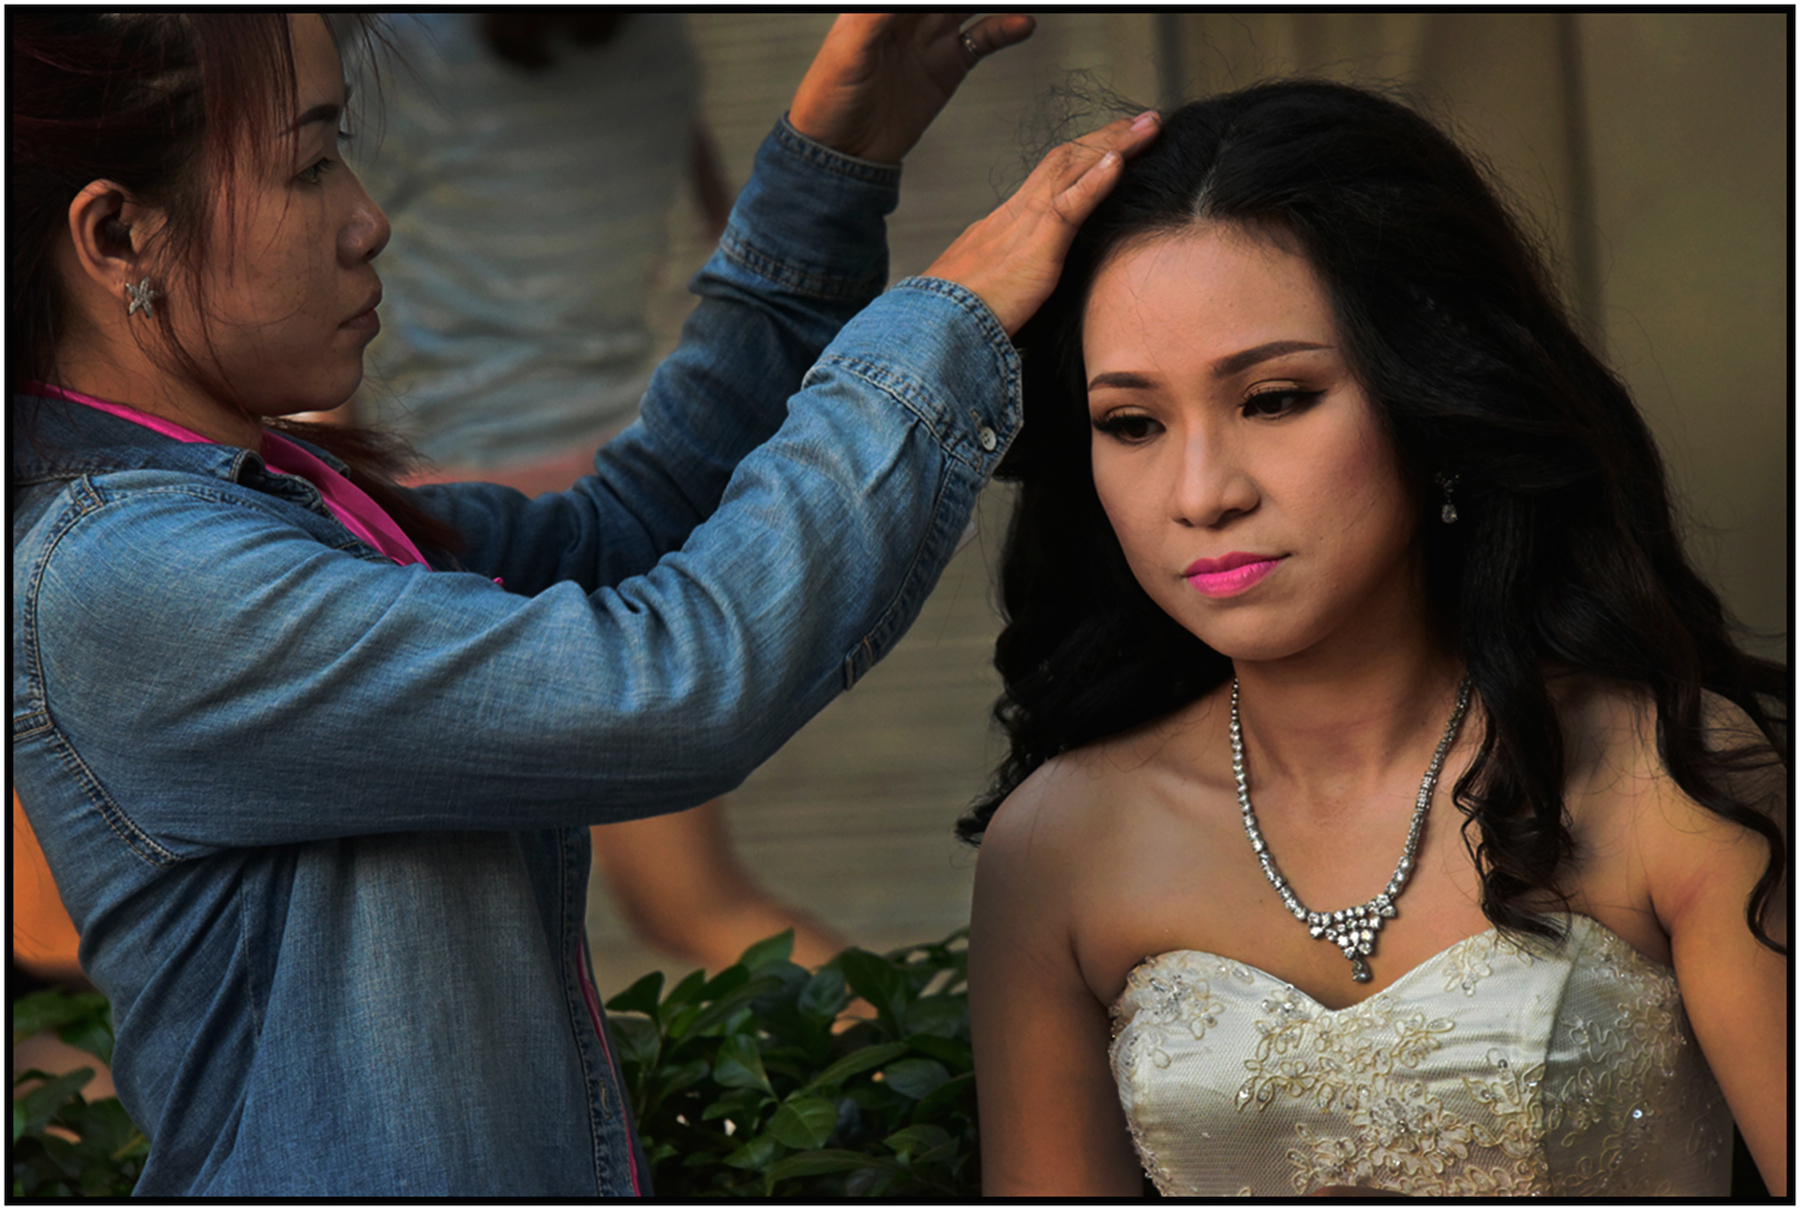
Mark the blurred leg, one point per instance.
(681, 886)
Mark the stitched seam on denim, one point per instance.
(836, 162)
(897, 603)
(917, 397)
(575, 1006)
(260, 502)
(971, 302)
(37, 714)
(806, 280)
(86, 501)
(248, 953)
(122, 825)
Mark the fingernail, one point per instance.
(1144, 121)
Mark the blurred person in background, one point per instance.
(530, 161)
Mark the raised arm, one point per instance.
(804, 250)
(289, 672)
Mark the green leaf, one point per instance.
(740, 1064)
(741, 1101)
(916, 1078)
(684, 992)
(804, 1122)
(875, 980)
(824, 996)
(939, 1016)
(757, 1153)
(947, 1099)
(44, 1102)
(867, 1182)
(821, 1163)
(639, 1040)
(855, 1061)
(54, 1008)
(953, 1053)
(723, 984)
(667, 1082)
(640, 997)
(91, 1035)
(105, 1130)
(708, 1019)
(778, 948)
(919, 1141)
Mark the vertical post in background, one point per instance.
(1584, 248)
(1170, 84)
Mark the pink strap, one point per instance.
(347, 502)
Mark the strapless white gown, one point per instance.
(1487, 1070)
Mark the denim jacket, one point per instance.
(320, 818)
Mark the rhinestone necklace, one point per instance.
(1352, 929)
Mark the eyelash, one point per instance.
(312, 174)
(1117, 424)
(1295, 400)
(1121, 425)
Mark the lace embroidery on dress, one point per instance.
(1172, 1000)
(1627, 1080)
(1569, 1070)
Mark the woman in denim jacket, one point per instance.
(312, 758)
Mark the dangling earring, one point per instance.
(1448, 483)
(141, 296)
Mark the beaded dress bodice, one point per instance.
(1489, 1069)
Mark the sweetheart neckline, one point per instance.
(1576, 919)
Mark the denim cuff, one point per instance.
(812, 220)
(873, 171)
(934, 346)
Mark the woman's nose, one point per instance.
(1212, 485)
(367, 232)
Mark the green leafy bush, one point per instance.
(63, 1145)
(748, 1084)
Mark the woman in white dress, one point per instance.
(1388, 805)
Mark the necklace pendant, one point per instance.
(1352, 929)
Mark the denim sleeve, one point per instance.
(805, 250)
(215, 677)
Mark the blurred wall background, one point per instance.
(1649, 150)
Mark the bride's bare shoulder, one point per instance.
(1610, 737)
(1101, 794)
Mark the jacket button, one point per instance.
(987, 437)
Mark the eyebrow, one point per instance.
(1237, 363)
(329, 112)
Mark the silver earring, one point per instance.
(1448, 484)
(141, 296)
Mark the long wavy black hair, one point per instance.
(1566, 554)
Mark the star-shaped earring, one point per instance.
(141, 296)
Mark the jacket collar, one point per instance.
(54, 439)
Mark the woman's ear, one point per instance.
(111, 230)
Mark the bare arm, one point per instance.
(1701, 870)
(1051, 1125)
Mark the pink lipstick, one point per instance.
(1230, 575)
